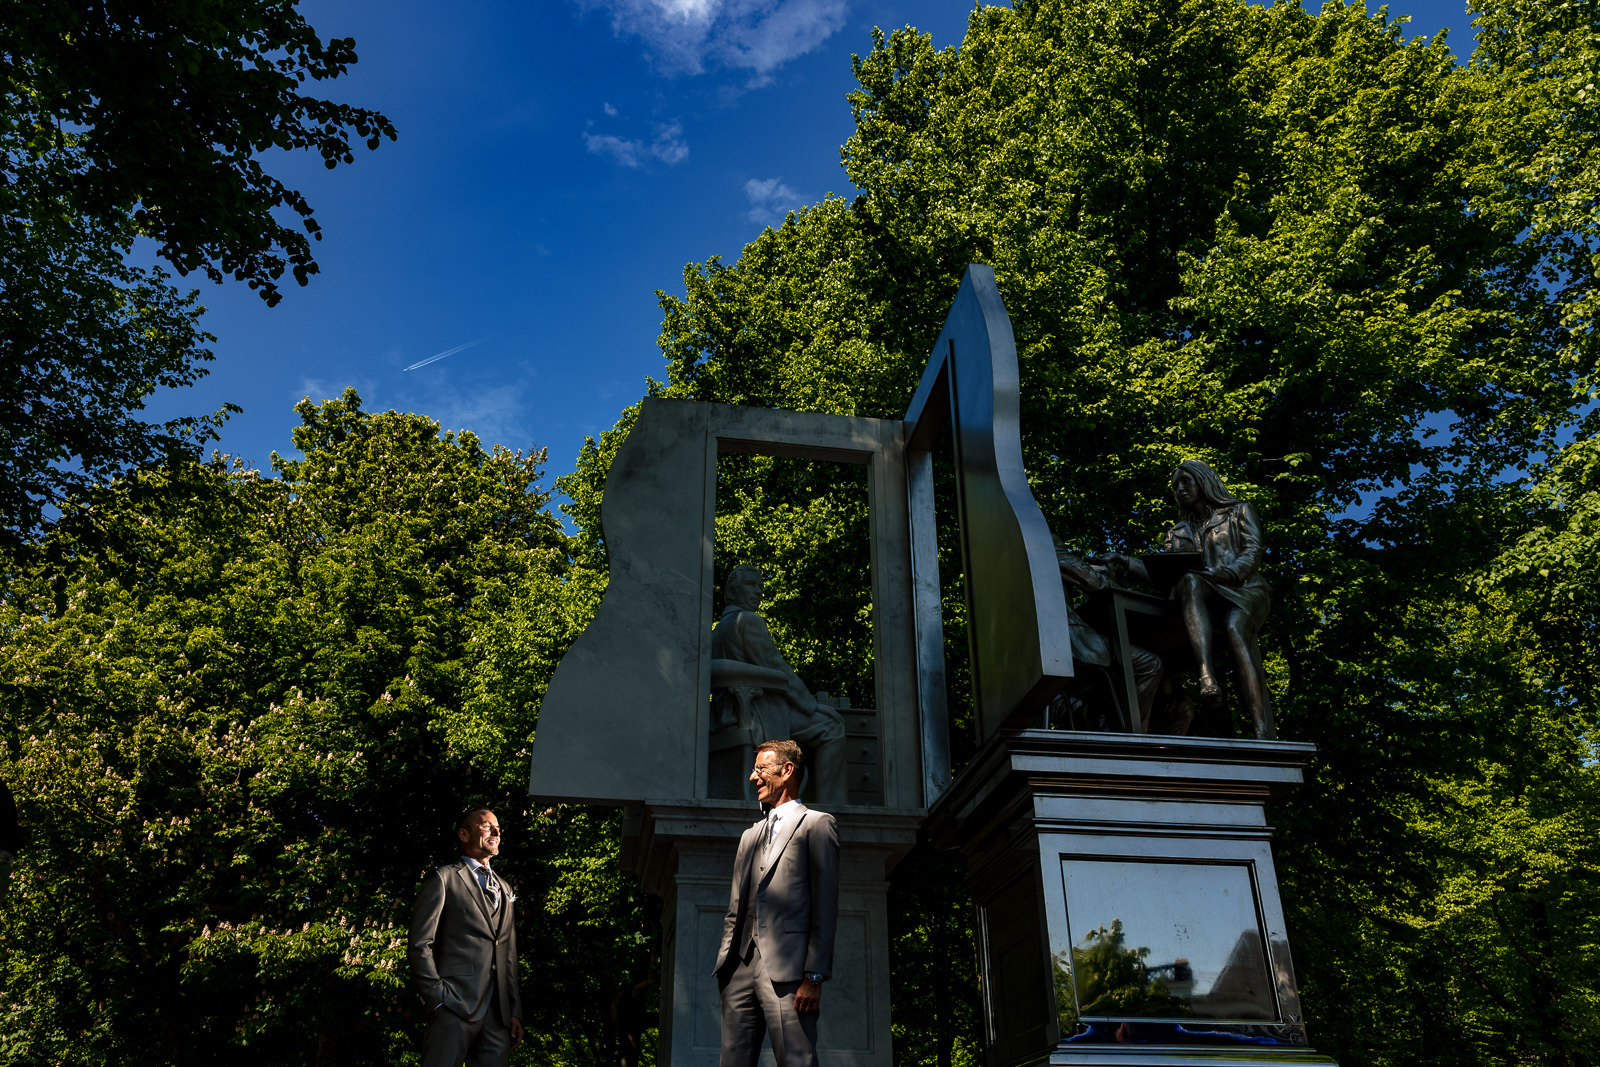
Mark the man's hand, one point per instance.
(808, 998)
(516, 1031)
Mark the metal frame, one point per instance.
(1017, 611)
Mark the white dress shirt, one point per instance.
(775, 819)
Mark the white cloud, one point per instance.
(609, 110)
(319, 389)
(604, 144)
(770, 200)
(497, 414)
(668, 146)
(686, 36)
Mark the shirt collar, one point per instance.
(783, 809)
(473, 864)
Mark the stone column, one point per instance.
(683, 852)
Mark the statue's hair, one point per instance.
(1211, 488)
(787, 752)
(741, 569)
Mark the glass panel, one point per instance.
(1164, 940)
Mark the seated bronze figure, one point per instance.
(1226, 532)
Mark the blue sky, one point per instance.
(557, 163)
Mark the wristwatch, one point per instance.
(815, 976)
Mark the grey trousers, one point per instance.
(754, 1007)
(452, 1041)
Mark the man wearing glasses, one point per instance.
(777, 940)
(463, 953)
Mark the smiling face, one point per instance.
(480, 837)
(772, 777)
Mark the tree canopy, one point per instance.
(126, 119)
(1358, 278)
(86, 338)
(241, 714)
(167, 108)
(1355, 276)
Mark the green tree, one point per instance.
(1513, 919)
(1355, 277)
(86, 338)
(121, 120)
(169, 107)
(240, 714)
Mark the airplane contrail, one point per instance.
(441, 355)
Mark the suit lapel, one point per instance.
(786, 830)
(747, 861)
(750, 846)
(745, 875)
(475, 891)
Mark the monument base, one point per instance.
(1179, 1056)
(683, 852)
(1128, 908)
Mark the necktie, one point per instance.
(491, 888)
(772, 833)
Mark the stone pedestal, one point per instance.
(683, 852)
(1128, 909)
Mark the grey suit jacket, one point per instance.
(461, 955)
(793, 894)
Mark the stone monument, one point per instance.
(1127, 904)
(629, 717)
(757, 696)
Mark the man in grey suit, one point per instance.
(463, 954)
(777, 941)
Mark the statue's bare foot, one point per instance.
(1210, 690)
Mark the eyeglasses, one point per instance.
(769, 769)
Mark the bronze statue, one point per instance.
(1227, 533)
(1089, 646)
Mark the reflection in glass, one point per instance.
(1161, 940)
(1109, 978)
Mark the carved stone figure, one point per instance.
(758, 695)
(1227, 533)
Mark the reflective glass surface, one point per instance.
(1152, 939)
